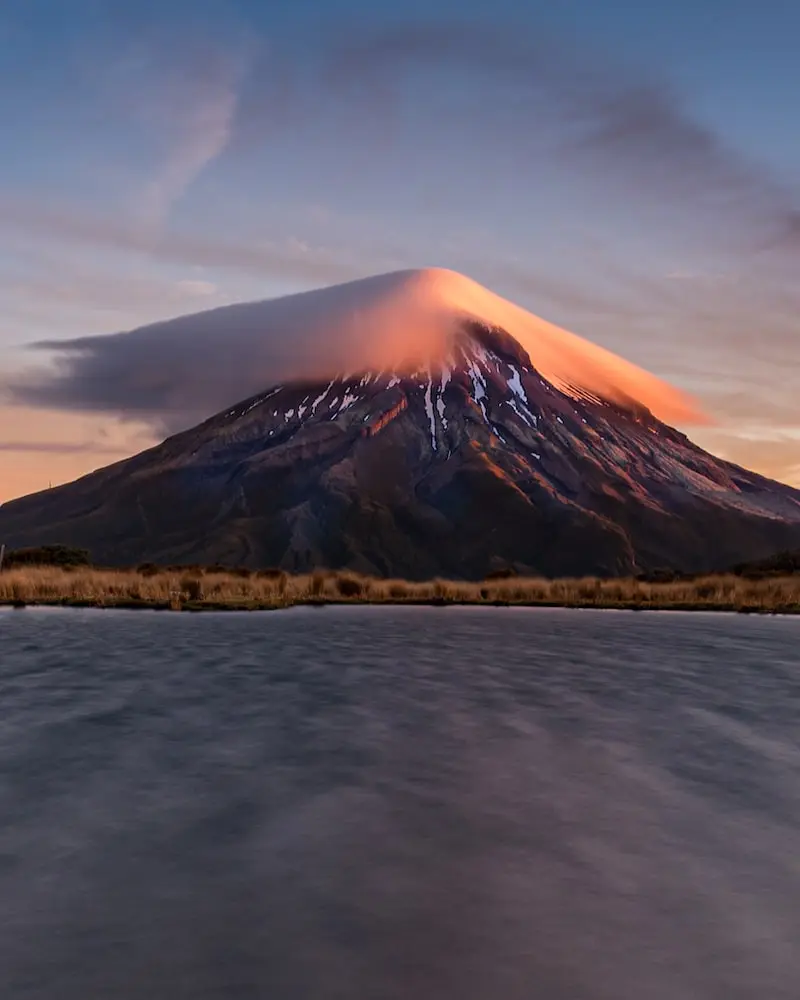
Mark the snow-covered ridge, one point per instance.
(371, 400)
(481, 391)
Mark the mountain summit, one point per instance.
(476, 438)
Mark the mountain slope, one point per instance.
(472, 463)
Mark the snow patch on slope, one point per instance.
(429, 411)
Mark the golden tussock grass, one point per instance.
(209, 589)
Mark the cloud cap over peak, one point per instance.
(181, 371)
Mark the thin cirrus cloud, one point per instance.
(542, 102)
(62, 447)
(611, 131)
(289, 260)
(137, 103)
(551, 99)
(176, 84)
(203, 132)
(42, 447)
(195, 107)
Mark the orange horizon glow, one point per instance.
(45, 448)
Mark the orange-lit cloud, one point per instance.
(175, 373)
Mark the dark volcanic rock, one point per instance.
(456, 472)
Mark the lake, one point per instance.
(377, 803)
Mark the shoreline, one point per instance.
(201, 607)
(197, 590)
(209, 608)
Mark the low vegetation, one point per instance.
(216, 588)
(47, 555)
(782, 564)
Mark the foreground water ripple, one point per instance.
(395, 802)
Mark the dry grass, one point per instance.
(216, 589)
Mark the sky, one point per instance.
(628, 171)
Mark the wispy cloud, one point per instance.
(197, 103)
(535, 96)
(202, 134)
(41, 447)
(62, 447)
(65, 285)
(290, 259)
(144, 102)
(536, 100)
(532, 97)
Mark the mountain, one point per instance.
(468, 460)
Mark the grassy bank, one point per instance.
(196, 590)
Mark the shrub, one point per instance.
(660, 576)
(317, 584)
(589, 589)
(349, 586)
(279, 576)
(192, 586)
(501, 574)
(148, 569)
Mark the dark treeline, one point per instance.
(47, 555)
(781, 564)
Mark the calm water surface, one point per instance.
(396, 803)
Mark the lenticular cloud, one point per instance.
(178, 372)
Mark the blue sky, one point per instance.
(628, 170)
